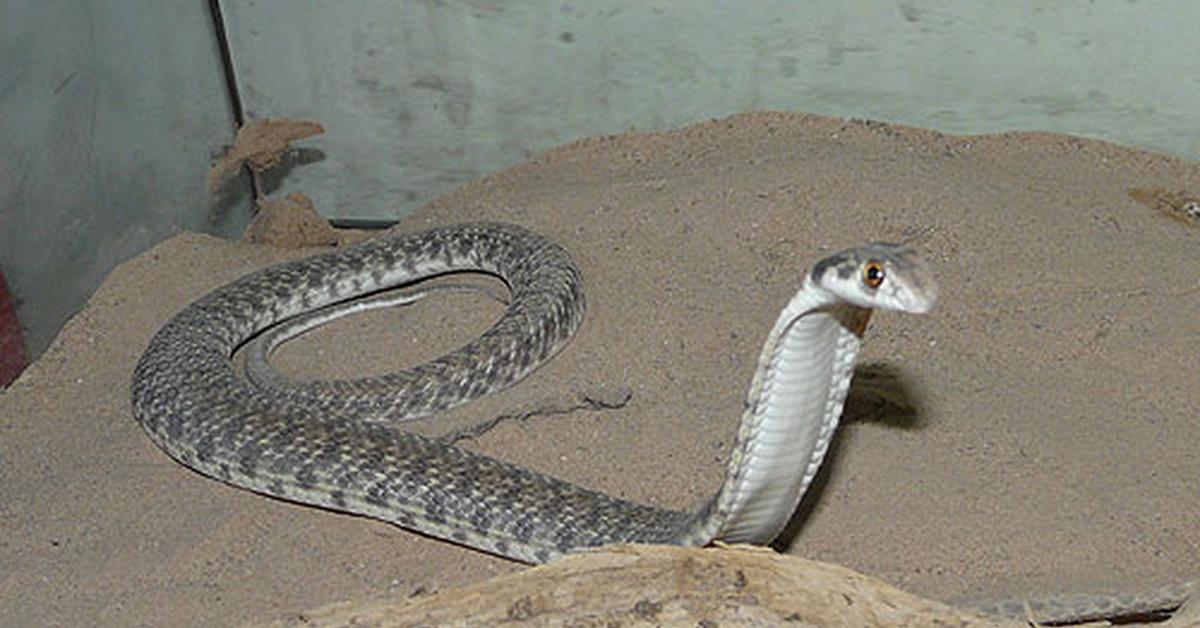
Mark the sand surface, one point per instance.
(1039, 432)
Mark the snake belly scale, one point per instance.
(336, 444)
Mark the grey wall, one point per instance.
(109, 114)
(110, 111)
(421, 96)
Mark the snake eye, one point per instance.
(873, 274)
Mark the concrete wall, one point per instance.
(421, 96)
(110, 111)
(109, 115)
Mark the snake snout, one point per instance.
(917, 302)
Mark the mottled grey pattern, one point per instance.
(1087, 607)
(310, 443)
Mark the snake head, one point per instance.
(879, 275)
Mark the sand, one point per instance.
(1036, 432)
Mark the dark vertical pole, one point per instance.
(231, 81)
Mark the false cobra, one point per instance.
(337, 444)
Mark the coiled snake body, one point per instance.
(335, 444)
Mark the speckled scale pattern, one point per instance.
(310, 443)
(1087, 607)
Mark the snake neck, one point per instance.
(792, 410)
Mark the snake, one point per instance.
(337, 444)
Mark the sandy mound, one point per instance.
(1049, 441)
